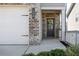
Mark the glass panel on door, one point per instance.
(50, 27)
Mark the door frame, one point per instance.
(53, 18)
(46, 25)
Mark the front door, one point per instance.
(50, 27)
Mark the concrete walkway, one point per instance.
(46, 45)
(18, 50)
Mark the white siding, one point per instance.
(71, 22)
(72, 37)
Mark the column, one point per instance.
(63, 23)
(40, 22)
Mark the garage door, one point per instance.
(14, 25)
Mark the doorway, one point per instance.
(50, 27)
(50, 23)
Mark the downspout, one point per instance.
(65, 20)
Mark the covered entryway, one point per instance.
(50, 23)
(14, 24)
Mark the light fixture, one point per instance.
(33, 13)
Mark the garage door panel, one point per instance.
(13, 25)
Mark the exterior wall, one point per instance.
(72, 37)
(72, 34)
(35, 25)
(72, 24)
(53, 5)
(57, 26)
(44, 27)
(35, 33)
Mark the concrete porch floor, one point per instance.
(46, 45)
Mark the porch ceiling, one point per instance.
(50, 13)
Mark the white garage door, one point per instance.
(14, 25)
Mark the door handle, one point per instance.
(24, 35)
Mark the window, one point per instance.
(76, 19)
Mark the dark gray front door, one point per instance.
(50, 27)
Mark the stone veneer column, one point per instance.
(35, 25)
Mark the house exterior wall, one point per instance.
(73, 19)
(63, 24)
(62, 8)
(72, 33)
(35, 25)
(51, 14)
(72, 37)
